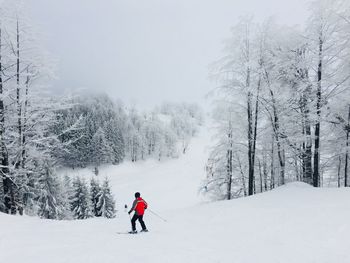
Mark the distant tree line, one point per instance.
(97, 131)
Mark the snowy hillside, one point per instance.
(166, 185)
(295, 223)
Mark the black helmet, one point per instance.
(137, 195)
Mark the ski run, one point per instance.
(294, 223)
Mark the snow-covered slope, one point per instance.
(166, 185)
(295, 223)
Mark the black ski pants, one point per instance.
(134, 219)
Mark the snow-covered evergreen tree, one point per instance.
(106, 203)
(67, 195)
(95, 192)
(2, 197)
(80, 202)
(50, 200)
(101, 150)
(98, 121)
(115, 139)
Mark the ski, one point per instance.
(130, 233)
(126, 233)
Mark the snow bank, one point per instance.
(291, 224)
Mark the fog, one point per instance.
(145, 52)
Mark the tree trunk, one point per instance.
(9, 201)
(250, 149)
(272, 182)
(261, 177)
(346, 184)
(229, 165)
(242, 176)
(276, 129)
(252, 137)
(297, 172)
(18, 100)
(265, 171)
(307, 154)
(25, 121)
(339, 167)
(316, 175)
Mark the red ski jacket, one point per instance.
(139, 206)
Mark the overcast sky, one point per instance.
(145, 51)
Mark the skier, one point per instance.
(139, 205)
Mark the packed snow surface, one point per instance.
(294, 223)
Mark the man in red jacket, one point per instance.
(139, 206)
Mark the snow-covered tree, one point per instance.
(27, 111)
(101, 151)
(114, 136)
(226, 170)
(50, 199)
(283, 89)
(67, 195)
(93, 123)
(95, 192)
(80, 202)
(106, 203)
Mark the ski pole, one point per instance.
(126, 210)
(157, 215)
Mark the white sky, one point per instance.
(146, 51)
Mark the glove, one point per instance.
(129, 212)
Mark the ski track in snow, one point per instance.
(294, 223)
